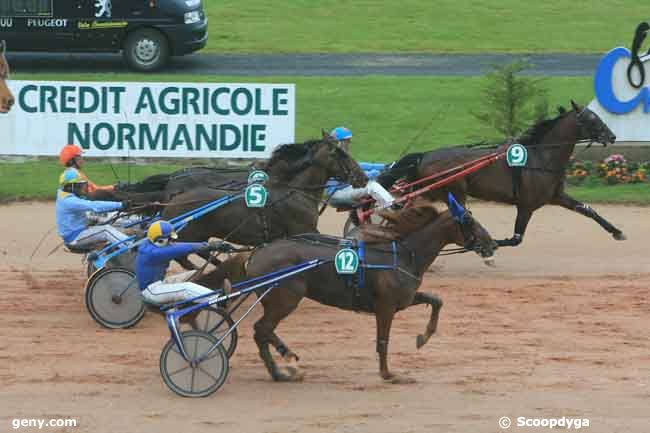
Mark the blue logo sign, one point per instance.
(604, 89)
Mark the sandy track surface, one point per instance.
(560, 328)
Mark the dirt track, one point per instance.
(560, 328)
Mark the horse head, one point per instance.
(471, 234)
(6, 97)
(338, 163)
(591, 127)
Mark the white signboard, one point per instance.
(149, 119)
(623, 98)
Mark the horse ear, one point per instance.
(457, 210)
(575, 106)
(561, 109)
(325, 133)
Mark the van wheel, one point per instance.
(146, 50)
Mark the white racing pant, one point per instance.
(97, 234)
(351, 196)
(175, 289)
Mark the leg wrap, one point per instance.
(382, 346)
(282, 350)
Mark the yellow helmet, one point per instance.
(161, 230)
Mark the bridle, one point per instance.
(584, 125)
(471, 241)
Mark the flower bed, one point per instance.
(613, 170)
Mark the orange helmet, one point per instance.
(69, 152)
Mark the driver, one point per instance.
(152, 262)
(74, 214)
(71, 158)
(345, 196)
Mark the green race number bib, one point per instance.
(346, 261)
(257, 176)
(517, 155)
(256, 195)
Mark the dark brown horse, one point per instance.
(550, 144)
(163, 187)
(6, 97)
(384, 292)
(297, 177)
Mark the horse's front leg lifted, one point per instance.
(523, 217)
(436, 305)
(570, 203)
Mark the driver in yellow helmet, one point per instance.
(154, 257)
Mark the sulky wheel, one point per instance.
(215, 321)
(351, 223)
(195, 378)
(113, 298)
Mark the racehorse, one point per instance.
(162, 187)
(6, 97)
(384, 291)
(297, 176)
(550, 143)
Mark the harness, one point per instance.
(356, 282)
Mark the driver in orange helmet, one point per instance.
(71, 158)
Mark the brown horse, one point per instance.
(297, 177)
(6, 97)
(384, 291)
(550, 144)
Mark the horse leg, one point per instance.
(384, 315)
(436, 304)
(523, 217)
(564, 200)
(277, 306)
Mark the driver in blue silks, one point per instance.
(152, 262)
(343, 195)
(74, 212)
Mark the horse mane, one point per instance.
(536, 133)
(400, 223)
(286, 159)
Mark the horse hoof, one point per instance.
(490, 262)
(620, 236)
(419, 341)
(399, 380)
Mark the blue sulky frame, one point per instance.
(101, 257)
(246, 288)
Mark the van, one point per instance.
(148, 32)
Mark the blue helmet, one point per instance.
(341, 133)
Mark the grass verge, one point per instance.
(385, 113)
(420, 25)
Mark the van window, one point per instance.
(26, 8)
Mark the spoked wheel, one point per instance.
(215, 321)
(113, 298)
(194, 379)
